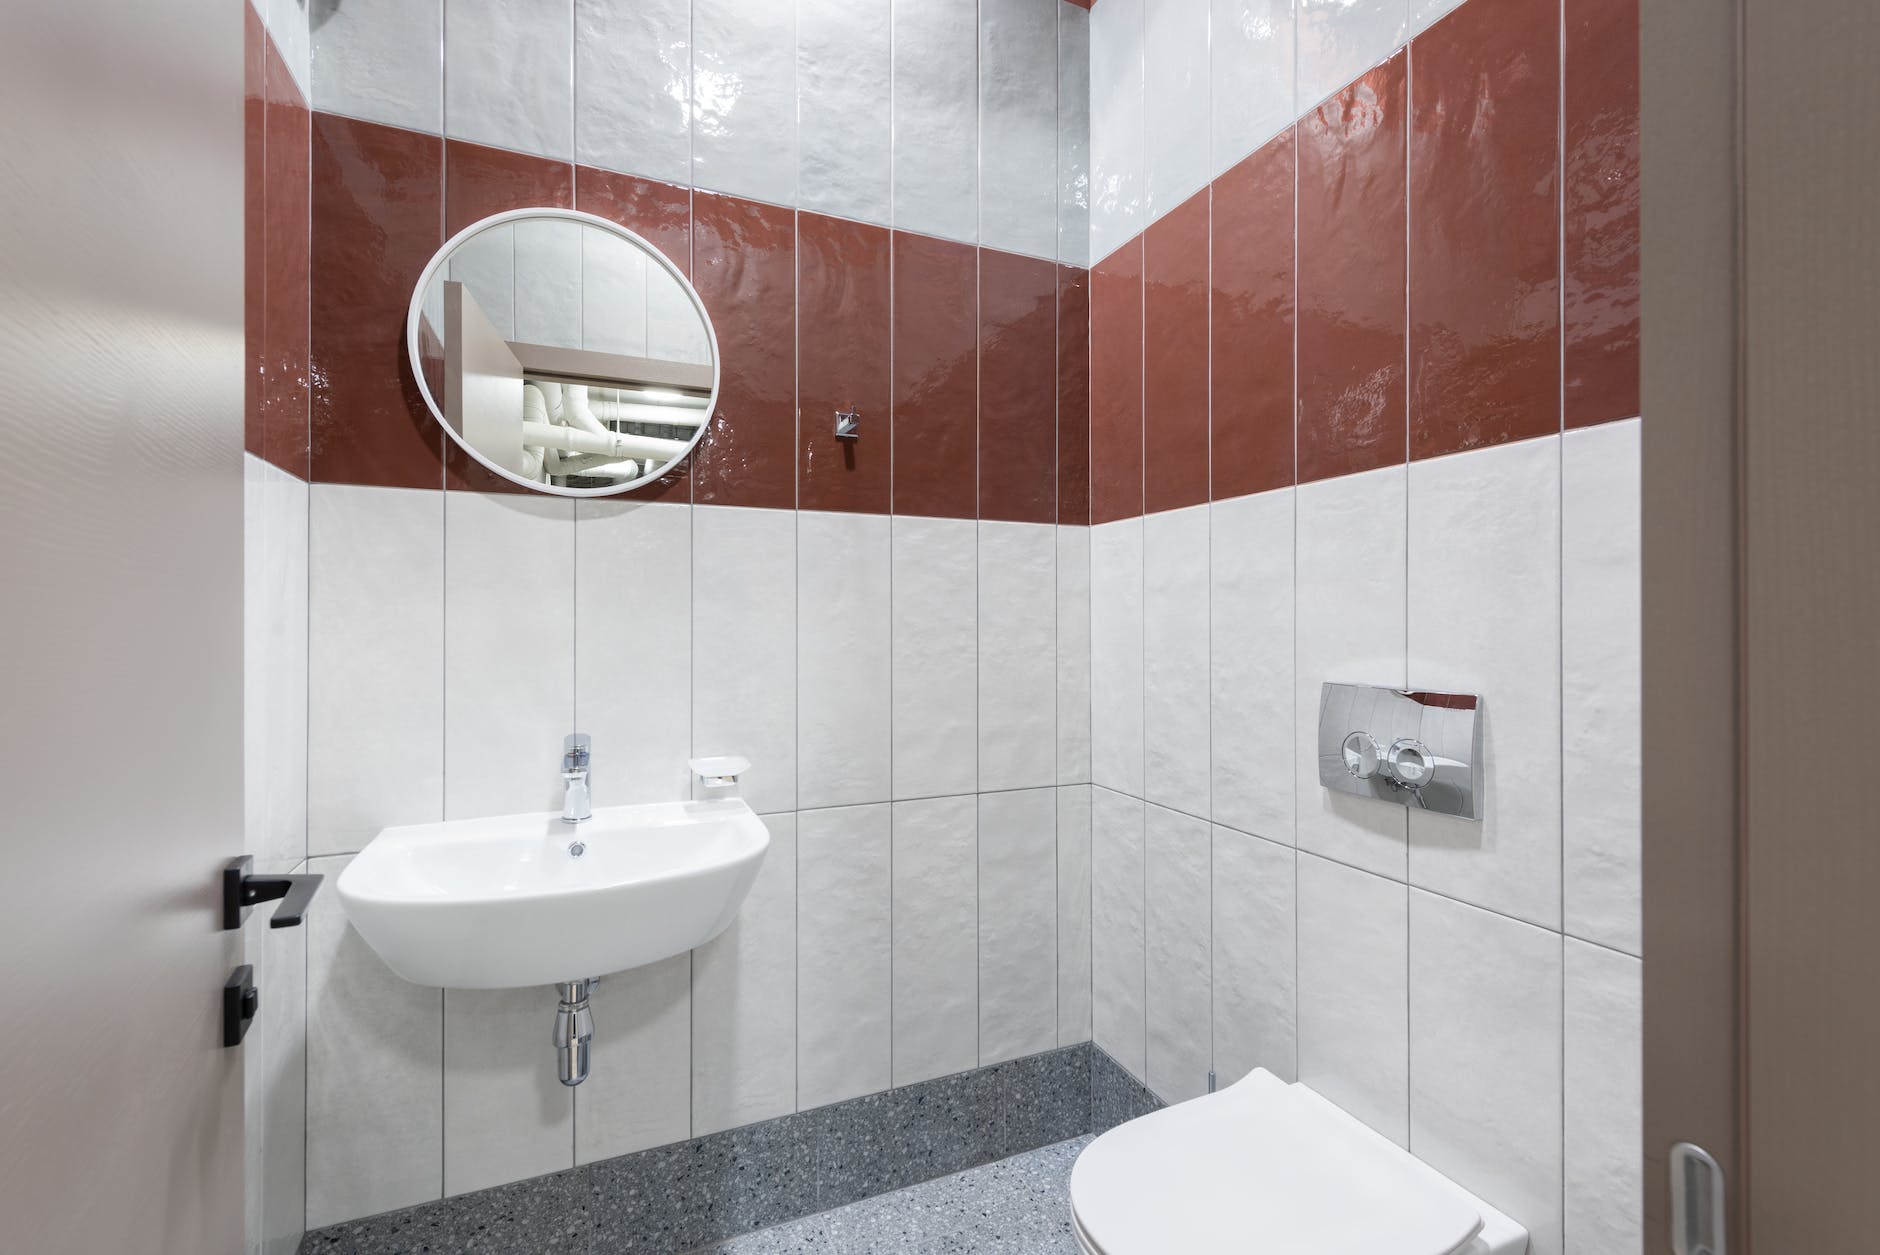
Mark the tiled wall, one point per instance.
(1364, 351)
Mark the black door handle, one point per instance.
(241, 889)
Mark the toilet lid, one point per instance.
(1263, 1168)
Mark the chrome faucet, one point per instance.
(577, 803)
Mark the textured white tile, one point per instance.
(1177, 900)
(744, 98)
(375, 739)
(1353, 1022)
(1018, 126)
(744, 1001)
(1250, 605)
(1118, 181)
(1600, 681)
(507, 77)
(506, 1116)
(633, 646)
(1340, 39)
(614, 317)
(1073, 139)
(845, 670)
(1350, 628)
(936, 942)
(1256, 988)
(1176, 102)
(486, 265)
(382, 60)
(508, 651)
(1073, 652)
(1116, 661)
(1605, 1186)
(1485, 1038)
(274, 663)
(936, 656)
(549, 263)
(633, 85)
(843, 109)
(375, 1068)
(287, 22)
(936, 119)
(845, 954)
(639, 1088)
(1118, 1019)
(1485, 619)
(1428, 12)
(274, 1067)
(744, 646)
(1252, 58)
(1175, 659)
(1017, 924)
(1017, 648)
(1073, 913)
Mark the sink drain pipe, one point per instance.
(574, 1029)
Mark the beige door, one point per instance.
(120, 623)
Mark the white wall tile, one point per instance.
(1340, 39)
(1350, 627)
(1600, 665)
(1073, 138)
(1017, 646)
(508, 651)
(1428, 12)
(744, 1001)
(506, 1116)
(375, 1065)
(549, 256)
(507, 76)
(1250, 606)
(1118, 1018)
(381, 60)
(845, 954)
(287, 22)
(744, 646)
(1485, 1045)
(633, 85)
(744, 98)
(936, 938)
(1175, 660)
(274, 663)
(1017, 924)
(1176, 102)
(844, 662)
(486, 265)
(1178, 884)
(1073, 652)
(1353, 1022)
(274, 1066)
(375, 753)
(1018, 126)
(936, 656)
(843, 107)
(1118, 181)
(1073, 914)
(1605, 1186)
(1485, 619)
(1256, 994)
(639, 1087)
(1252, 50)
(633, 646)
(1116, 658)
(936, 119)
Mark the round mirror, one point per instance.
(563, 352)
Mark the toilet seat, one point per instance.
(1268, 1168)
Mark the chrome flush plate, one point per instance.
(1412, 748)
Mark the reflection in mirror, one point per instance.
(563, 352)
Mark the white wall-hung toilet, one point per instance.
(1267, 1168)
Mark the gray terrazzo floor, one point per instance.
(1019, 1205)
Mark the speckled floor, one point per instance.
(1019, 1206)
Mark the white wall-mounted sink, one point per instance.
(502, 902)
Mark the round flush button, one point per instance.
(1410, 763)
(1361, 755)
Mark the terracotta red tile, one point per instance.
(1116, 385)
(1485, 227)
(284, 408)
(254, 232)
(1352, 404)
(658, 212)
(1175, 338)
(1017, 388)
(1601, 186)
(1252, 327)
(377, 219)
(744, 265)
(1082, 4)
(1073, 401)
(936, 377)
(845, 304)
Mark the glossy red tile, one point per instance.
(1073, 399)
(1251, 423)
(284, 384)
(1082, 4)
(377, 219)
(744, 265)
(1017, 388)
(1175, 339)
(1352, 405)
(1116, 385)
(254, 232)
(1601, 186)
(1485, 227)
(658, 212)
(845, 306)
(936, 377)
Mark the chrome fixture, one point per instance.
(574, 1029)
(576, 803)
(1699, 1224)
(848, 424)
(1416, 749)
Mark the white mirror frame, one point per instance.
(442, 257)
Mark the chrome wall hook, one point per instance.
(848, 424)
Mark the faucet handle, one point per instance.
(574, 750)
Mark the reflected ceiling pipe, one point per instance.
(612, 444)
